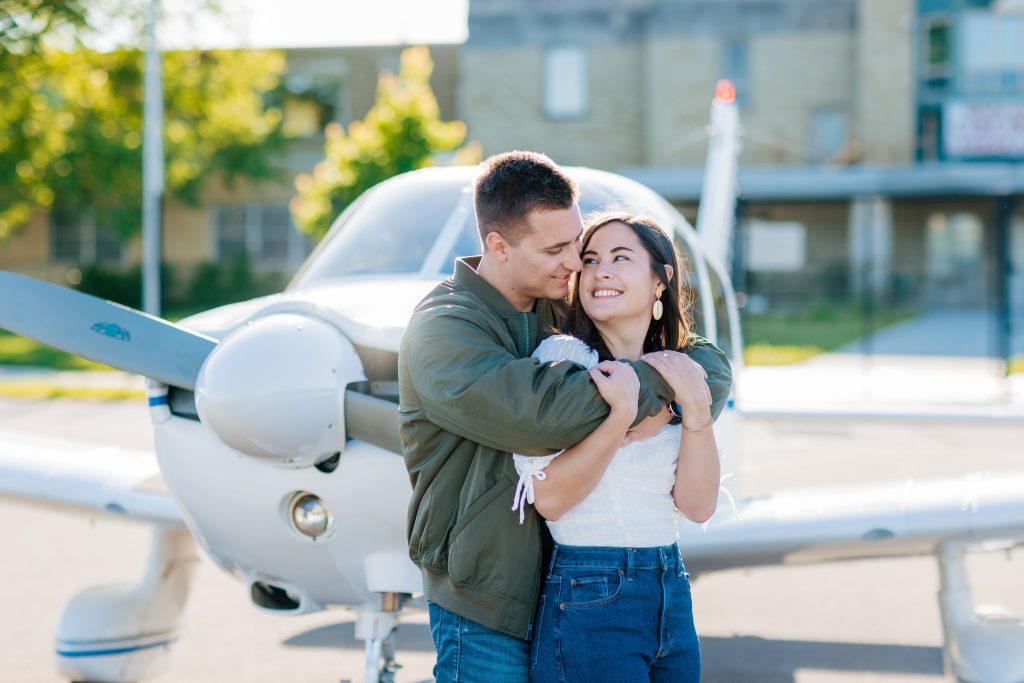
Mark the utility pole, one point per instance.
(152, 166)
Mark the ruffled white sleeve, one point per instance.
(560, 347)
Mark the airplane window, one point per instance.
(594, 198)
(468, 243)
(691, 292)
(390, 231)
(724, 340)
(630, 197)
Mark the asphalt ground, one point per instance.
(851, 621)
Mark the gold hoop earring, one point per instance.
(659, 309)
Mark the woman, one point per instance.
(616, 604)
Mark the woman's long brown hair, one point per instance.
(673, 330)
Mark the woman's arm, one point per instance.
(571, 476)
(698, 472)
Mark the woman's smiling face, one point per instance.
(617, 282)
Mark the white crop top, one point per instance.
(632, 505)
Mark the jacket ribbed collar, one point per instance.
(466, 276)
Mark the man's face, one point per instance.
(539, 267)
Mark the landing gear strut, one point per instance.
(983, 644)
(376, 625)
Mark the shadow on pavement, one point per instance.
(746, 658)
(741, 659)
(410, 637)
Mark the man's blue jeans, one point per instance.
(615, 615)
(470, 653)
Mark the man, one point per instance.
(470, 395)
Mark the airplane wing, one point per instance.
(85, 479)
(910, 517)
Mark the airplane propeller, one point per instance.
(102, 331)
(134, 341)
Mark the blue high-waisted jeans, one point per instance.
(615, 615)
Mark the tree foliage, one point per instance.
(71, 127)
(402, 132)
(25, 24)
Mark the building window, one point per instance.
(928, 145)
(230, 232)
(954, 255)
(993, 60)
(565, 83)
(309, 102)
(86, 236)
(262, 232)
(829, 133)
(937, 48)
(736, 67)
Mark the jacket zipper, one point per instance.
(526, 334)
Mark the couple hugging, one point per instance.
(552, 389)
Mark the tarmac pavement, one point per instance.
(832, 623)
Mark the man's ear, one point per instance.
(497, 245)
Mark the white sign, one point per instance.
(775, 246)
(983, 129)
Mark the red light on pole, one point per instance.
(725, 91)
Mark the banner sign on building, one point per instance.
(983, 129)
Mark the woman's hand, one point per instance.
(619, 387)
(689, 383)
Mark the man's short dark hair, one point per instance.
(513, 184)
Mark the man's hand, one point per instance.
(689, 383)
(619, 387)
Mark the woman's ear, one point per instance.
(670, 271)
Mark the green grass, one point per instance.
(778, 354)
(45, 391)
(786, 338)
(16, 350)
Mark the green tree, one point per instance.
(71, 127)
(25, 24)
(403, 131)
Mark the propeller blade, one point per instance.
(102, 331)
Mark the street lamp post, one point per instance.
(152, 166)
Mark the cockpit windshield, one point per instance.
(389, 230)
(419, 223)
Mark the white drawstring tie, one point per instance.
(524, 491)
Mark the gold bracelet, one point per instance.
(705, 428)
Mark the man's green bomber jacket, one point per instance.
(470, 395)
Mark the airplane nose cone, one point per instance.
(274, 389)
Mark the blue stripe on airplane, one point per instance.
(158, 400)
(113, 651)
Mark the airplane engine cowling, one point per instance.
(274, 389)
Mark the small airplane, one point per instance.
(277, 451)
